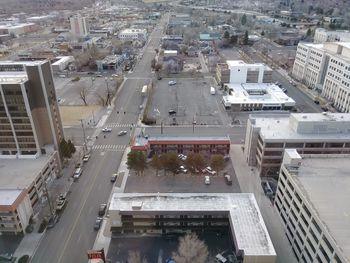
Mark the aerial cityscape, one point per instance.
(186, 131)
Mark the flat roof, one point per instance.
(20, 173)
(246, 221)
(325, 182)
(188, 138)
(279, 128)
(273, 94)
(9, 196)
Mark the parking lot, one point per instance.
(181, 183)
(159, 249)
(190, 99)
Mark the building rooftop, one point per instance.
(252, 93)
(325, 181)
(8, 196)
(312, 127)
(20, 173)
(247, 224)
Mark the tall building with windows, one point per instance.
(29, 115)
(327, 68)
(311, 200)
(78, 26)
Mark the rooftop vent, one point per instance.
(136, 205)
(304, 117)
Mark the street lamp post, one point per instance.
(85, 145)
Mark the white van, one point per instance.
(77, 173)
(212, 90)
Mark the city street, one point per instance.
(73, 235)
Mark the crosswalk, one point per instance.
(115, 125)
(109, 147)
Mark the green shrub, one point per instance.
(29, 229)
(76, 79)
(23, 259)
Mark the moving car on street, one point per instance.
(121, 133)
(86, 158)
(228, 179)
(207, 180)
(172, 83)
(105, 129)
(114, 177)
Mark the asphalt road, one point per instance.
(73, 235)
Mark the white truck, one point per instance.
(212, 90)
(144, 91)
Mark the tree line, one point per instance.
(170, 162)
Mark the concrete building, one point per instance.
(327, 68)
(256, 97)
(183, 144)
(29, 115)
(309, 133)
(78, 26)
(133, 34)
(167, 213)
(241, 72)
(23, 185)
(18, 29)
(323, 35)
(311, 201)
(62, 63)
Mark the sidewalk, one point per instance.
(31, 241)
(250, 182)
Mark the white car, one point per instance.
(172, 82)
(182, 157)
(86, 158)
(206, 179)
(106, 129)
(121, 133)
(209, 171)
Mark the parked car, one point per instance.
(209, 170)
(207, 180)
(228, 179)
(86, 158)
(182, 157)
(267, 189)
(102, 209)
(114, 177)
(52, 221)
(77, 173)
(172, 83)
(183, 169)
(105, 129)
(172, 112)
(284, 90)
(60, 204)
(98, 223)
(121, 133)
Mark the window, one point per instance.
(328, 244)
(302, 229)
(311, 245)
(316, 226)
(336, 258)
(324, 253)
(304, 219)
(306, 210)
(314, 236)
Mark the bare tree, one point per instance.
(83, 91)
(135, 257)
(191, 250)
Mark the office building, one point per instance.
(23, 184)
(323, 35)
(167, 213)
(29, 115)
(311, 201)
(183, 144)
(250, 88)
(309, 133)
(256, 97)
(78, 26)
(133, 34)
(326, 67)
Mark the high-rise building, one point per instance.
(311, 200)
(327, 68)
(323, 35)
(29, 115)
(78, 26)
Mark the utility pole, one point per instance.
(85, 146)
(161, 127)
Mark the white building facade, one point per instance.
(327, 68)
(310, 202)
(78, 26)
(323, 35)
(133, 34)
